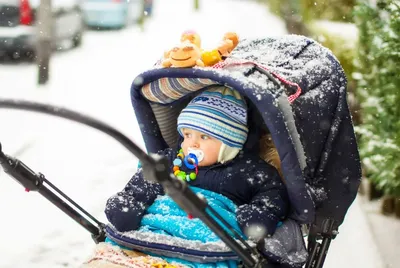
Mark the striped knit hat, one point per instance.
(219, 112)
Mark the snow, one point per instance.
(89, 166)
(178, 242)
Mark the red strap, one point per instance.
(230, 62)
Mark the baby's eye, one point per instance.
(188, 135)
(205, 137)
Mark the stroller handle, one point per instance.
(80, 118)
(32, 181)
(155, 169)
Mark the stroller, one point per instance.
(295, 90)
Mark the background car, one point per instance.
(148, 7)
(18, 19)
(112, 13)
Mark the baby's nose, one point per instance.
(195, 144)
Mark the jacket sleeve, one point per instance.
(125, 209)
(269, 203)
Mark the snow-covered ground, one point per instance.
(89, 166)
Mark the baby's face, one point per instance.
(197, 140)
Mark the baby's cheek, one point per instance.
(184, 148)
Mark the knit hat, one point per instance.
(221, 113)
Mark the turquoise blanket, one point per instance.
(164, 216)
(165, 219)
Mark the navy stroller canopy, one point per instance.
(304, 109)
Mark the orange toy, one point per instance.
(224, 48)
(192, 37)
(189, 53)
(211, 57)
(229, 42)
(189, 36)
(183, 55)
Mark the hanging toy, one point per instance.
(190, 162)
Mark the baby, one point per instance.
(213, 129)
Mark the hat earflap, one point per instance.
(227, 153)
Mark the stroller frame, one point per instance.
(314, 70)
(155, 169)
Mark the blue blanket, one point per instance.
(167, 224)
(165, 217)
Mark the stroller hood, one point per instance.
(304, 108)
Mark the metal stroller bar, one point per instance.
(318, 250)
(238, 236)
(155, 169)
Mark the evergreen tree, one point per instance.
(379, 89)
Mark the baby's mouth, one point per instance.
(198, 153)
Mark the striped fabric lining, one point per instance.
(166, 90)
(166, 117)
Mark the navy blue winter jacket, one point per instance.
(252, 184)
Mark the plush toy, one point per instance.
(229, 42)
(210, 57)
(192, 37)
(189, 53)
(224, 48)
(183, 55)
